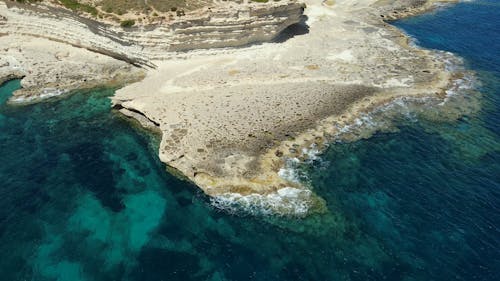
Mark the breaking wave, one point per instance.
(288, 201)
(460, 99)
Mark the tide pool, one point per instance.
(83, 195)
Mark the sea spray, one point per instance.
(460, 99)
(298, 201)
(287, 201)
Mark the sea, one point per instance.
(83, 195)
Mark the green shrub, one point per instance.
(89, 9)
(75, 6)
(127, 23)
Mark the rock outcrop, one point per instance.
(230, 27)
(10, 69)
(223, 25)
(233, 122)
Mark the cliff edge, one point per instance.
(48, 30)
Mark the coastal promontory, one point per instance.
(238, 89)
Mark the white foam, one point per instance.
(51, 92)
(311, 154)
(290, 174)
(458, 87)
(288, 201)
(45, 93)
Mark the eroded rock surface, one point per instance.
(40, 39)
(232, 118)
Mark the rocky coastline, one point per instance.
(232, 118)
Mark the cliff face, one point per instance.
(224, 25)
(230, 27)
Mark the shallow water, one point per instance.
(84, 196)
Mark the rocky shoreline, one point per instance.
(112, 53)
(231, 119)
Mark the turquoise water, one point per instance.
(83, 195)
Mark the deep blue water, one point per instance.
(83, 195)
